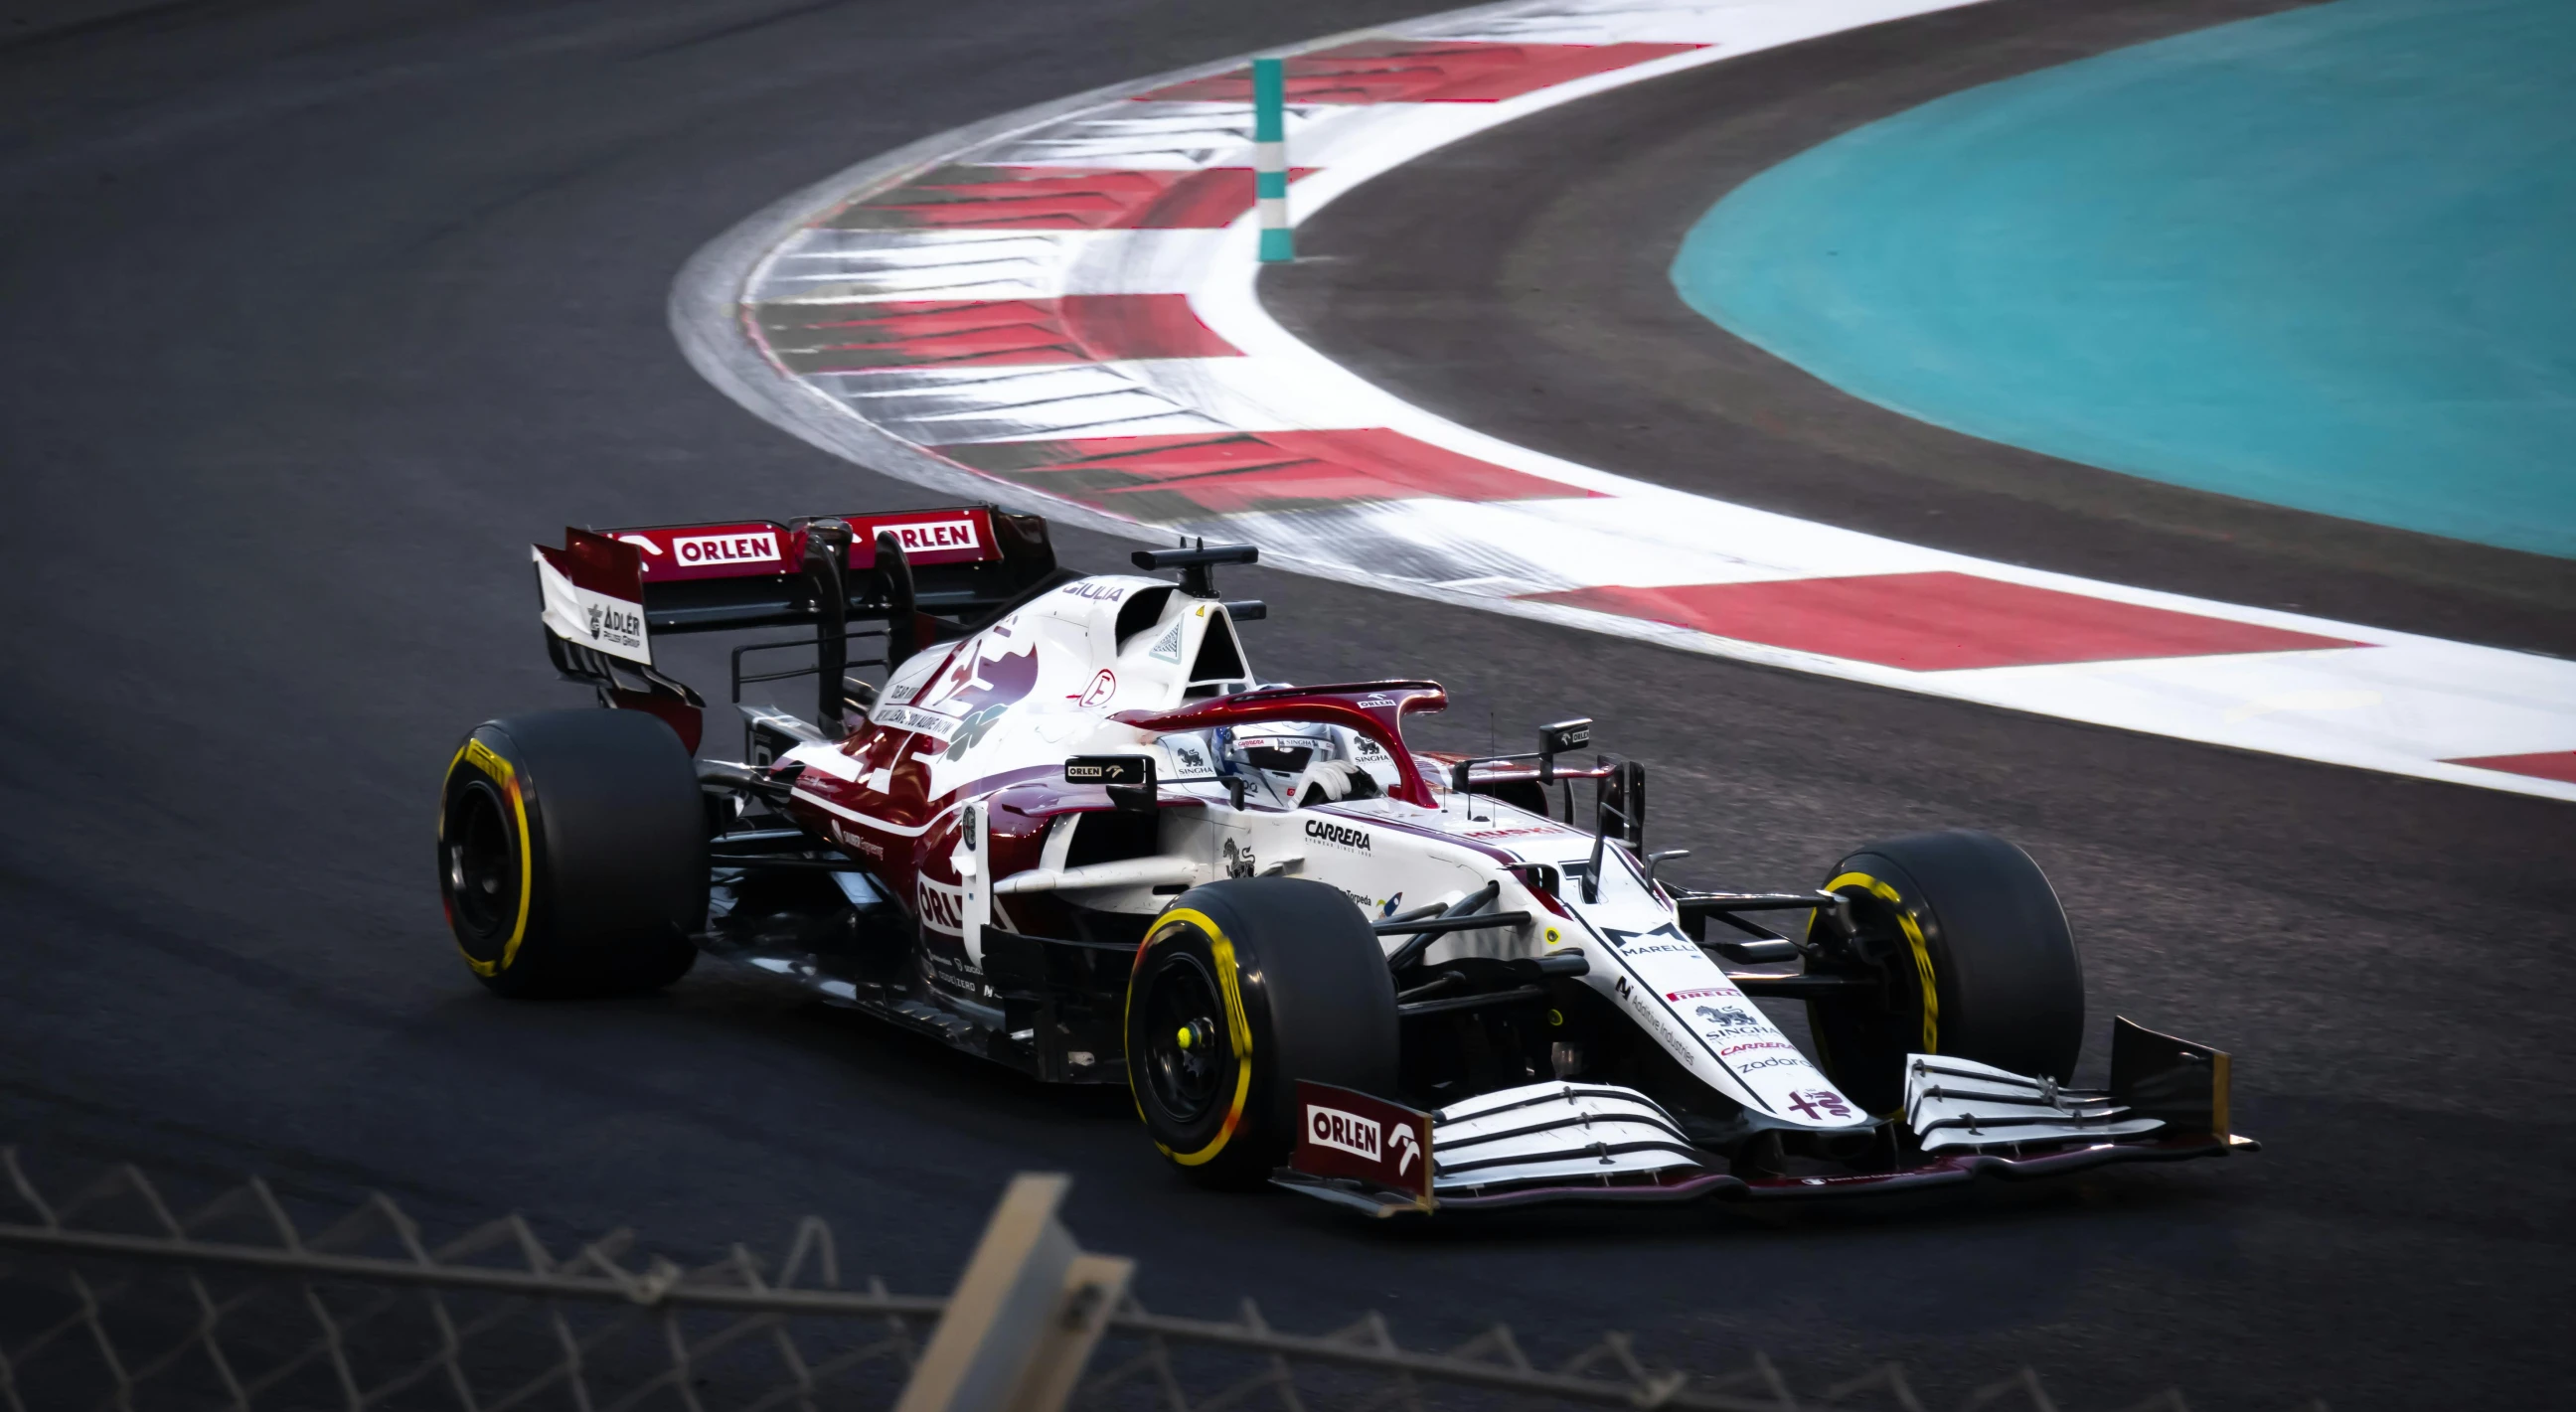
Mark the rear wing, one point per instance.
(923, 575)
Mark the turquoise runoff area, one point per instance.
(2325, 259)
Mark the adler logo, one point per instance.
(615, 624)
(933, 534)
(700, 550)
(1324, 831)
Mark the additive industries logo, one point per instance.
(1323, 831)
(1360, 1137)
(699, 550)
(933, 534)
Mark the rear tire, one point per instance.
(1986, 968)
(572, 853)
(1242, 988)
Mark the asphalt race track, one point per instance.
(315, 315)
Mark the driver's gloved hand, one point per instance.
(1332, 781)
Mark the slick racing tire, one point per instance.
(1243, 987)
(572, 853)
(1983, 965)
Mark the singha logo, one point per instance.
(1726, 1018)
(1239, 862)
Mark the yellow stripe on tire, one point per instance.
(1236, 1025)
(498, 770)
(1913, 938)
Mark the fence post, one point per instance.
(1270, 157)
(1025, 1316)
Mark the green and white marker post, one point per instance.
(1270, 158)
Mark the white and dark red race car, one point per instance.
(1072, 831)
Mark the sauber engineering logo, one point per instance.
(1361, 1137)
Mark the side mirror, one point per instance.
(1128, 778)
(1622, 805)
(1555, 740)
(1197, 566)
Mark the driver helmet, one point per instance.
(1301, 762)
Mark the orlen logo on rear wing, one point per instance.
(751, 547)
(592, 590)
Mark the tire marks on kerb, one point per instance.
(1058, 310)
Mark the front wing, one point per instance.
(1568, 1141)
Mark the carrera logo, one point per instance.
(934, 534)
(1323, 831)
(701, 549)
(1360, 1137)
(1756, 1044)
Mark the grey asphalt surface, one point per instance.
(311, 316)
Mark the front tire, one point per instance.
(1242, 988)
(572, 853)
(1984, 966)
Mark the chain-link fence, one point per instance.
(111, 1298)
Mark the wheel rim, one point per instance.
(482, 867)
(1187, 1050)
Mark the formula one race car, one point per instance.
(1073, 832)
